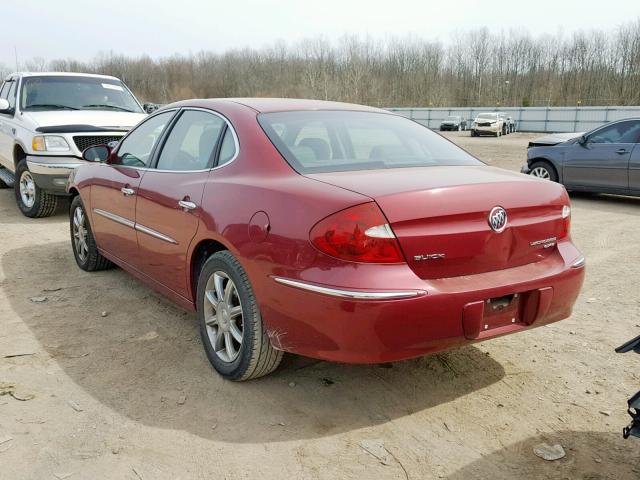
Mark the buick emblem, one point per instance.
(498, 219)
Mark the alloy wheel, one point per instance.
(541, 172)
(224, 318)
(27, 189)
(80, 234)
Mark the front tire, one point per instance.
(543, 170)
(233, 334)
(32, 201)
(83, 243)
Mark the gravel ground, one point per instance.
(102, 378)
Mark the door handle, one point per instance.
(186, 205)
(621, 151)
(126, 191)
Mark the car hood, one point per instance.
(96, 118)
(554, 139)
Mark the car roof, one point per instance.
(58, 74)
(267, 105)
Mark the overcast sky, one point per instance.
(82, 28)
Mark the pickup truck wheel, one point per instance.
(83, 243)
(234, 337)
(32, 201)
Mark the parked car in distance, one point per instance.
(453, 122)
(492, 123)
(604, 160)
(282, 221)
(47, 120)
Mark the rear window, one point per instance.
(334, 141)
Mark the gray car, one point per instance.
(604, 160)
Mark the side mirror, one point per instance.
(4, 106)
(97, 153)
(582, 139)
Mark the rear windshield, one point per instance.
(488, 116)
(338, 141)
(452, 118)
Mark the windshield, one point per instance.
(76, 93)
(488, 116)
(333, 141)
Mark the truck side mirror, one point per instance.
(4, 106)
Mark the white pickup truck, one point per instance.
(47, 120)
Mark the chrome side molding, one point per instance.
(580, 262)
(155, 234)
(136, 226)
(114, 217)
(352, 294)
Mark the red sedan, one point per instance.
(334, 231)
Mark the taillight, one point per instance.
(357, 234)
(566, 221)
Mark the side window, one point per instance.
(4, 90)
(227, 149)
(135, 150)
(191, 142)
(11, 94)
(622, 132)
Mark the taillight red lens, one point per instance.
(357, 234)
(566, 221)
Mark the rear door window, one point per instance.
(228, 148)
(191, 144)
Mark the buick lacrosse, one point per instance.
(329, 230)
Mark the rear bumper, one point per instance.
(423, 316)
(51, 173)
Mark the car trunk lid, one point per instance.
(440, 215)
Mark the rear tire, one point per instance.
(233, 334)
(32, 201)
(83, 243)
(543, 170)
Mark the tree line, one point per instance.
(475, 68)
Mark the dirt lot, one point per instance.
(130, 394)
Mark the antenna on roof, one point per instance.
(15, 51)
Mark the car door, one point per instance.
(115, 187)
(169, 197)
(601, 161)
(634, 170)
(7, 127)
